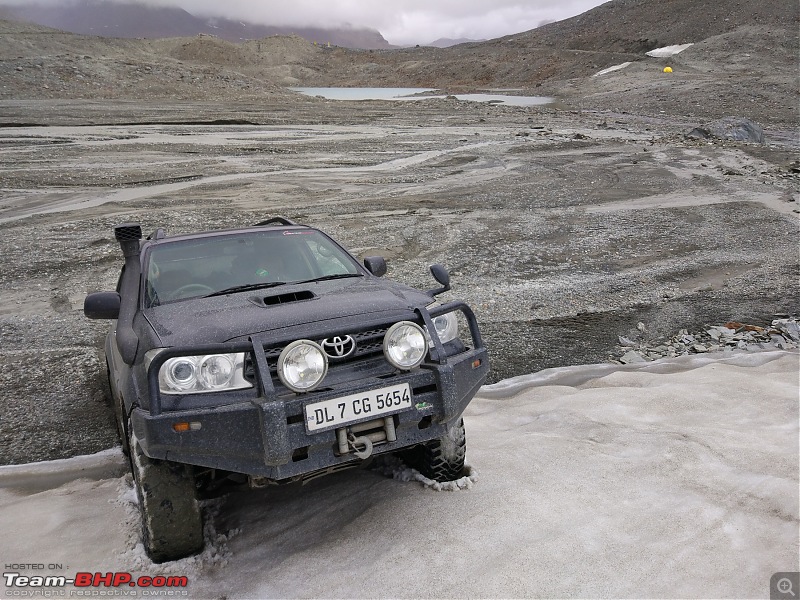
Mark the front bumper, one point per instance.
(265, 435)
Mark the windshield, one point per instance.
(206, 265)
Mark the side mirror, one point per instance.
(102, 305)
(441, 275)
(375, 265)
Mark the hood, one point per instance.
(237, 316)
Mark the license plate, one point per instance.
(363, 406)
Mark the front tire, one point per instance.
(172, 523)
(443, 459)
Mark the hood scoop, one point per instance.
(285, 298)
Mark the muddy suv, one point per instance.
(269, 354)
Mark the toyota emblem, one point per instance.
(339, 347)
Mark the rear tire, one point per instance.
(172, 523)
(443, 459)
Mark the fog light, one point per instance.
(404, 345)
(302, 366)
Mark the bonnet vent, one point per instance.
(287, 298)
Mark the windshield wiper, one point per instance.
(329, 277)
(246, 288)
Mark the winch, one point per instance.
(361, 438)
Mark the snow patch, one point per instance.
(579, 375)
(612, 69)
(668, 50)
(51, 474)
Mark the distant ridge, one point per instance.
(133, 20)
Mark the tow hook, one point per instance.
(354, 442)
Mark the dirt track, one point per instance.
(562, 229)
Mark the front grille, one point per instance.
(369, 345)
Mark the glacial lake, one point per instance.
(337, 93)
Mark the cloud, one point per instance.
(401, 22)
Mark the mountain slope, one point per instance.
(131, 20)
(641, 25)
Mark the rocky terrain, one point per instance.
(565, 226)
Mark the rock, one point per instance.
(720, 339)
(632, 357)
(699, 133)
(788, 326)
(730, 128)
(722, 334)
(779, 341)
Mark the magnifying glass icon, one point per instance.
(785, 587)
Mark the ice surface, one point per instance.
(676, 478)
(612, 69)
(668, 50)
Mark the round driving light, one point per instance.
(180, 373)
(216, 371)
(404, 345)
(302, 365)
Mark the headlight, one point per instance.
(216, 371)
(302, 365)
(179, 374)
(446, 326)
(404, 345)
(200, 374)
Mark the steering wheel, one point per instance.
(189, 290)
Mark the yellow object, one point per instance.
(667, 69)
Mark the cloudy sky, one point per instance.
(400, 21)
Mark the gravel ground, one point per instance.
(564, 230)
